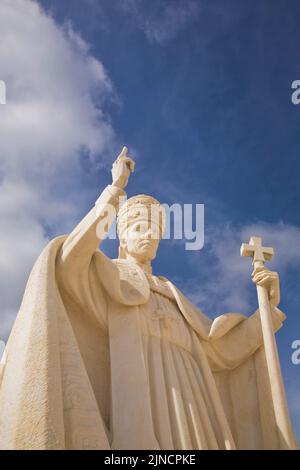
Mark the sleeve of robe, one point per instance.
(237, 358)
(84, 240)
(233, 338)
(76, 266)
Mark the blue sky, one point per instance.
(200, 92)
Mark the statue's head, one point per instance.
(140, 224)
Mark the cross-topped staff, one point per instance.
(260, 254)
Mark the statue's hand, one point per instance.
(122, 168)
(269, 279)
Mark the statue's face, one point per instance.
(142, 241)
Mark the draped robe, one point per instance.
(106, 356)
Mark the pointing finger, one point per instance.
(124, 152)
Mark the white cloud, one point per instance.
(161, 21)
(227, 285)
(174, 18)
(55, 95)
(50, 79)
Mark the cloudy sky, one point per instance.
(200, 92)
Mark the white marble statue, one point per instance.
(106, 355)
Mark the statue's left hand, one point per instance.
(269, 279)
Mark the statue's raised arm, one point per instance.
(84, 240)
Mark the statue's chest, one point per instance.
(159, 286)
(161, 318)
(163, 311)
(142, 282)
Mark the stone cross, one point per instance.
(259, 253)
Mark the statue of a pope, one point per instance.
(106, 355)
